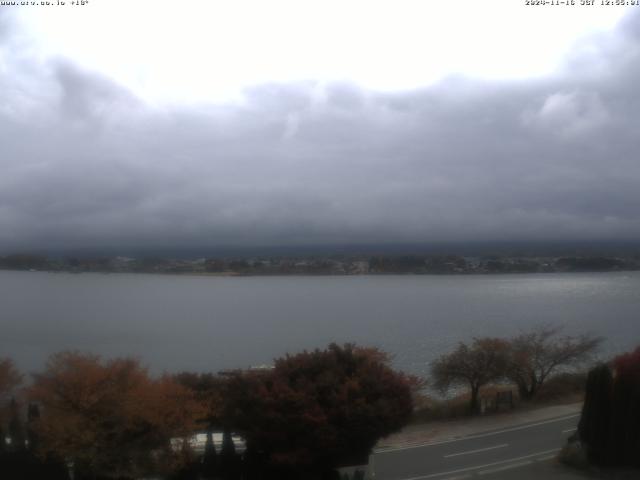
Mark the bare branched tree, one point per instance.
(535, 355)
(475, 365)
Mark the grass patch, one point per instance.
(560, 389)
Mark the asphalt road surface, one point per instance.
(495, 454)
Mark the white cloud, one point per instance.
(570, 114)
(195, 50)
(85, 162)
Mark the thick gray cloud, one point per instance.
(86, 163)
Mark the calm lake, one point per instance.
(178, 323)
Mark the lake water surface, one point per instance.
(210, 323)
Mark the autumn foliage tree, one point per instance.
(109, 419)
(321, 409)
(208, 389)
(475, 365)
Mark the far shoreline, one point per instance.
(308, 274)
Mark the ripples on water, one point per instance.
(210, 323)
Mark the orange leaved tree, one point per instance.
(110, 419)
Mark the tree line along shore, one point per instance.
(325, 265)
(306, 416)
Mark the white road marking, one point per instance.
(471, 437)
(569, 430)
(476, 451)
(478, 467)
(506, 467)
(545, 458)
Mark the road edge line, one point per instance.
(474, 436)
(478, 467)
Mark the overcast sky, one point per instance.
(293, 122)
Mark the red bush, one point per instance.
(627, 365)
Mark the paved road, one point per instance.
(487, 455)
